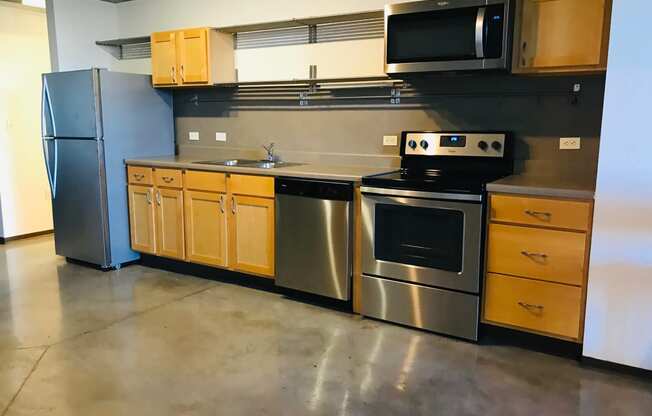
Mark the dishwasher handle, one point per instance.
(313, 188)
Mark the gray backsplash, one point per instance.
(349, 130)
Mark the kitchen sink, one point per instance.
(262, 164)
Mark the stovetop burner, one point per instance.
(453, 163)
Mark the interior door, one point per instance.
(205, 214)
(164, 58)
(79, 201)
(194, 56)
(252, 235)
(70, 105)
(169, 223)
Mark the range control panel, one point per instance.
(455, 144)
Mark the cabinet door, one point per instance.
(563, 34)
(169, 223)
(193, 56)
(206, 227)
(141, 219)
(251, 230)
(164, 58)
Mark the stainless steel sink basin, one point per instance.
(271, 165)
(229, 162)
(262, 164)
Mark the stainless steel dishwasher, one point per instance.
(313, 236)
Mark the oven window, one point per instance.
(441, 35)
(426, 237)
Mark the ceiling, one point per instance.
(116, 1)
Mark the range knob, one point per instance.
(496, 146)
(424, 144)
(412, 144)
(483, 145)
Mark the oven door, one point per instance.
(436, 35)
(426, 241)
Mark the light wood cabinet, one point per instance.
(537, 257)
(169, 223)
(164, 58)
(192, 57)
(142, 219)
(156, 217)
(206, 228)
(251, 230)
(209, 218)
(561, 35)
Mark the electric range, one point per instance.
(423, 228)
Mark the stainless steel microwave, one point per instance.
(447, 35)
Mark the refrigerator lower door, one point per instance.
(79, 201)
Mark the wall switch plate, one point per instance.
(193, 136)
(390, 140)
(220, 136)
(569, 143)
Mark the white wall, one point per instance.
(619, 307)
(76, 25)
(24, 190)
(77, 28)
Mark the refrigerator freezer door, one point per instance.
(79, 202)
(71, 106)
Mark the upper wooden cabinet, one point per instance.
(561, 35)
(192, 57)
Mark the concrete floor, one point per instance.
(139, 341)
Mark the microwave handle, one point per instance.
(479, 33)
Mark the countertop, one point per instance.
(544, 186)
(308, 170)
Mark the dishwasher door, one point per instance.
(313, 236)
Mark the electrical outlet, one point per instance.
(220, 137)
(390, 140)
(193, 136)
(569, 143)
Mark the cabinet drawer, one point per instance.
(262, 186)
(556, 256)
(139, 175)
(529, 304)
(168, 178)
(573, 215)
(205, 181)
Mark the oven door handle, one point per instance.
(420, 194)
(479, 33)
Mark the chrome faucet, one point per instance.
(270, 152)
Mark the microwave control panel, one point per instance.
(455, 144)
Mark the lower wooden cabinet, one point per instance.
(142, 219)
(204, 217)
(537, 256)
(169, 223)
(206, 230)
(251, 230)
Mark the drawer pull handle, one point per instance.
(544, 216)
(158, 198)
(167, 179)
(149, 198)
(233, 206)
(539, 258)
(222, 204)
(530, 306)
(139, 176)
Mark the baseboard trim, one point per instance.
(590, 362)
(4, 240)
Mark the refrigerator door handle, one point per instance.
(48, 122)
(51, 169)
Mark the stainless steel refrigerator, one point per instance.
(92, 120)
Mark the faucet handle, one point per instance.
(269, 147)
